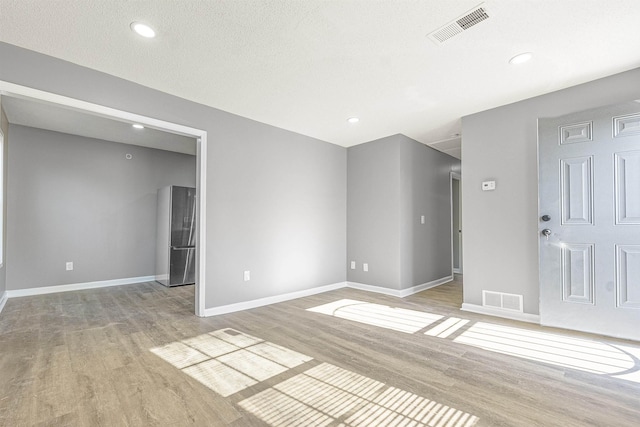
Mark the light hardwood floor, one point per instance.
(136, 356)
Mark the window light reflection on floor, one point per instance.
(585, 355)
(614, 360)
(398, 319)
(228, 361)
(328, 395)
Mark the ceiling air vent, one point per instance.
(459, 25)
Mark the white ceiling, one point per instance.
(43, 115)
(308, 65)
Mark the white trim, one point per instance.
(3, 300)
(457, 271)
(246, 305)
(2, 195)
(400, 293)
(201, 212)
(77, 286)
(375, 289)
(24, 92)
(424, 286)
(507, 314)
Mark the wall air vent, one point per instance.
(502, 301)
(459, 25)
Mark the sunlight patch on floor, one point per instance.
(228, 361)
(446, 328)
(592, 356)
(326, 394)
(397, 319)
(576, 353)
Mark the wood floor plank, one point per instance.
(84, 358)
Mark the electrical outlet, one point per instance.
(365, 267)
(421, 219)
(247, 276)
(69, 266)
(353, 265)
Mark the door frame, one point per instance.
(25, 92)
(457, 177)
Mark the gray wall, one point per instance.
(373, 213)
(78, 199)
(500, 245)
(391, 183)
(425, 186)
(276, 199)
(4, 125)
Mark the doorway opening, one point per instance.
(456, 223)
(11, 90)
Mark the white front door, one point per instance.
(589, 217)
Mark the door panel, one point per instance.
(626, 125)
(182, 271)
(577, 273)
(589, 184)
(576, 177)
(628, 275)
(627, 187)
(580, 132)
(183, 209)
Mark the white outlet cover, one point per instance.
(353, 265)
(247, 276)
(422, 219)
(69, 266)
(365, 267)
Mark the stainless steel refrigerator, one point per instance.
(176, 248)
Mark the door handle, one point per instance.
(546, 233)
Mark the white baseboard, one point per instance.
(260, 302)
(3, 300)
(513, 315)
(400, 293)
(246, 305)
(375, 289)
(424, 286)
(77, 286)
(457, 271)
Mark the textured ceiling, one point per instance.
(308, 65)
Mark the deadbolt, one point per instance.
(545, 218)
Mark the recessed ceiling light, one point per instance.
(143, 29)
(521, 58)
(353, 120)
(138, 126)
